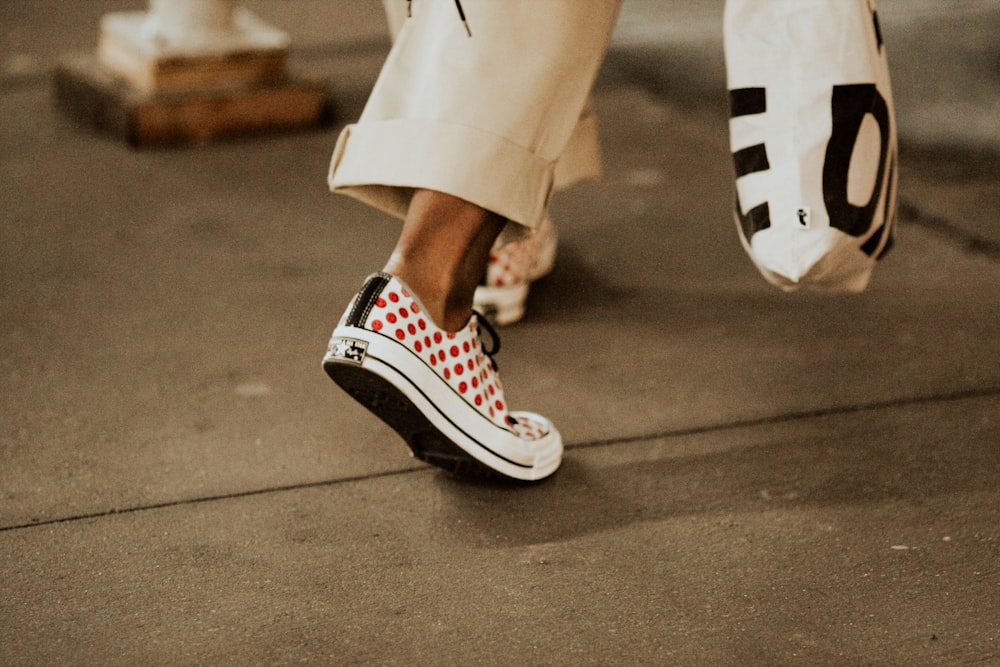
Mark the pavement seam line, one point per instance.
(802, 415)
(208, 499)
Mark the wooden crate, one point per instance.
(97, 97)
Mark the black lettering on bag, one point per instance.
(756, 219)
(849, 106)
(871, 246)
(750, 160)
(748, 102)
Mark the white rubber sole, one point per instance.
(437, 424)
(501, 305)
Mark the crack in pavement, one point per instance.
(890, 404)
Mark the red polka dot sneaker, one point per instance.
(440, 391)
(511, 270)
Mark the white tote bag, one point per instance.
(813, 136)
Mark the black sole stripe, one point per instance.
(446, 417)
(431, 369)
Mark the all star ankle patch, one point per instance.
(348, 349)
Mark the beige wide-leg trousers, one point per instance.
(496, 119)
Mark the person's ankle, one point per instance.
(448, 305)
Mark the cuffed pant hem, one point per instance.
(381, 163)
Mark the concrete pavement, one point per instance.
(751, 477)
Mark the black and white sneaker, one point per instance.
(440, 391)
